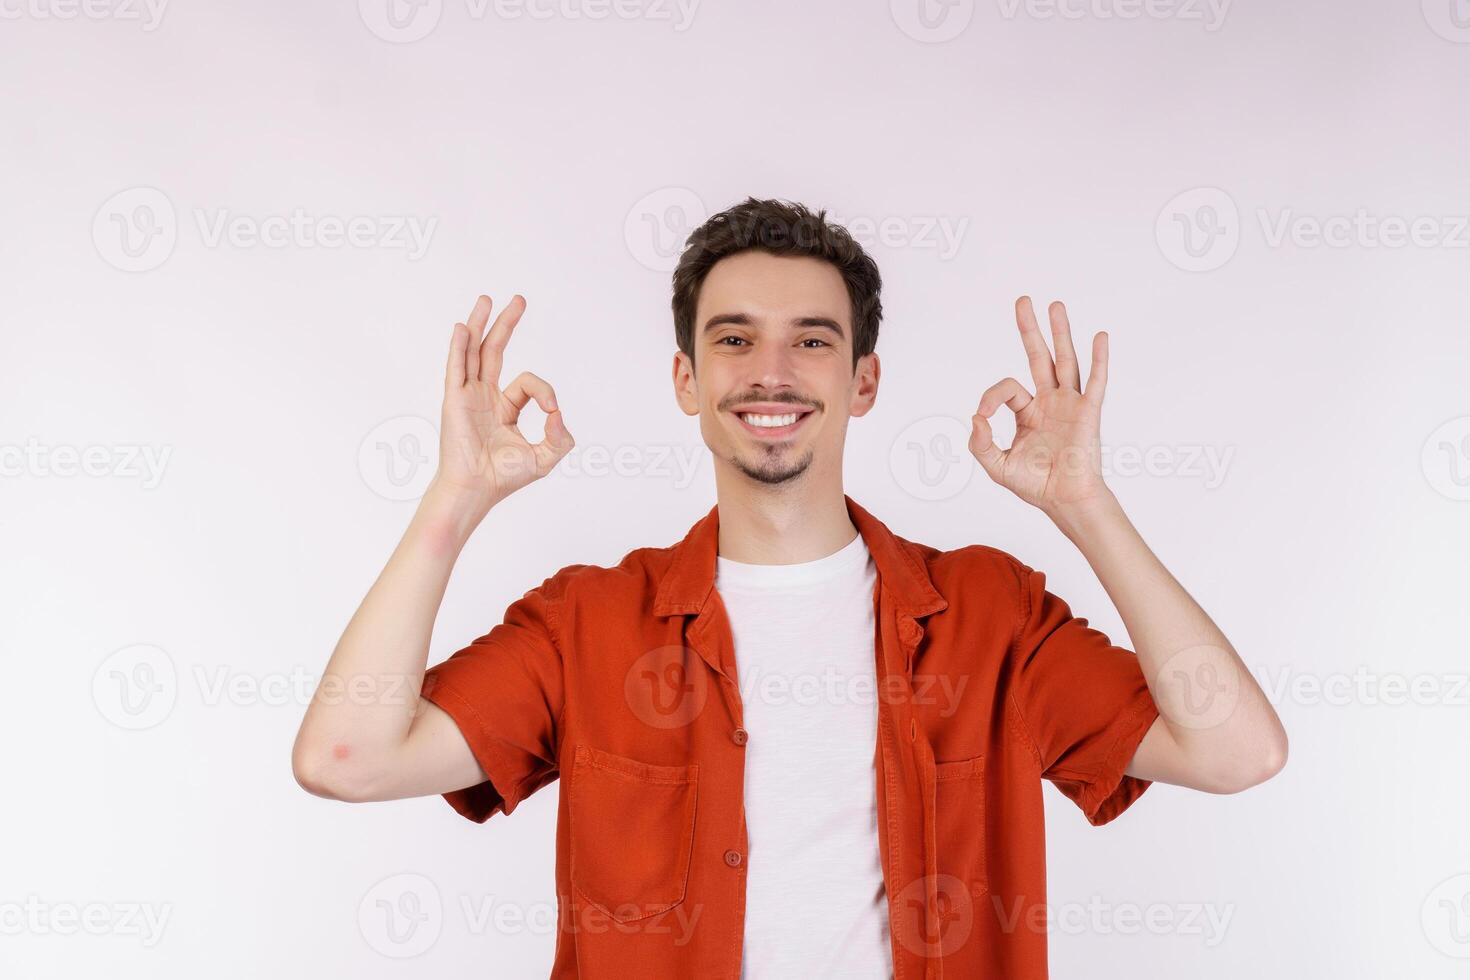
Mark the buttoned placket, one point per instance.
(909, 744)
(903, 750)
(711, 636)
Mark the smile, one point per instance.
(770, 425)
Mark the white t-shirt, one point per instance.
(815, 904)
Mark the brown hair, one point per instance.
(780, 228)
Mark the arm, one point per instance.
(1216, 731)
(367, 734)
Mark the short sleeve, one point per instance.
(1081, 701)
(505, 692)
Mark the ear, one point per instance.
(686, 389)
(864, 385)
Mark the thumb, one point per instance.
(982, 445)
(555, 445)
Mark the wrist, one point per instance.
(1079, 519)
(450, 515)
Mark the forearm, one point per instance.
(369, 692)
(1217, 715)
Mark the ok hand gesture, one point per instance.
(483, 458)
(1055, 460)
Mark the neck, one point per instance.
(775, 527)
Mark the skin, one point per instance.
(1054, 463)
(380, 740)
(780, 502)
(771, 331)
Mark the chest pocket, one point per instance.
(632, 833)
(959, 821)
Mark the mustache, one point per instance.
(736, 402)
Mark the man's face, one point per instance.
(773, 380)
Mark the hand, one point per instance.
(483, 458)
(1055, 460)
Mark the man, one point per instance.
(793, 744)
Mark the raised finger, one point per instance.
(1061, 342)
(1097, 375)
(492, 354)
(1043, 372)
(478, 317)
(454, 370)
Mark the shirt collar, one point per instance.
(901, 572)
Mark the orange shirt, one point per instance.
(621, 682)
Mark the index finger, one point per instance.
(492, 352)
(1043, 371)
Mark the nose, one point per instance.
(772, 367)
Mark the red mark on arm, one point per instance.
(340, 751)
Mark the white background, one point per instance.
(560, 156)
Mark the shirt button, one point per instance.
(740, 736)
(732, 858)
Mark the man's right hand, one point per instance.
(483, 457)
(366, 748)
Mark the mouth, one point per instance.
(771, 424)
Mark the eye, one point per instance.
(730, 337)
(816, 340)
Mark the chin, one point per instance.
(774, 471)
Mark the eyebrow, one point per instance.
(744, 320)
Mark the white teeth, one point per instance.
(769, 421)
